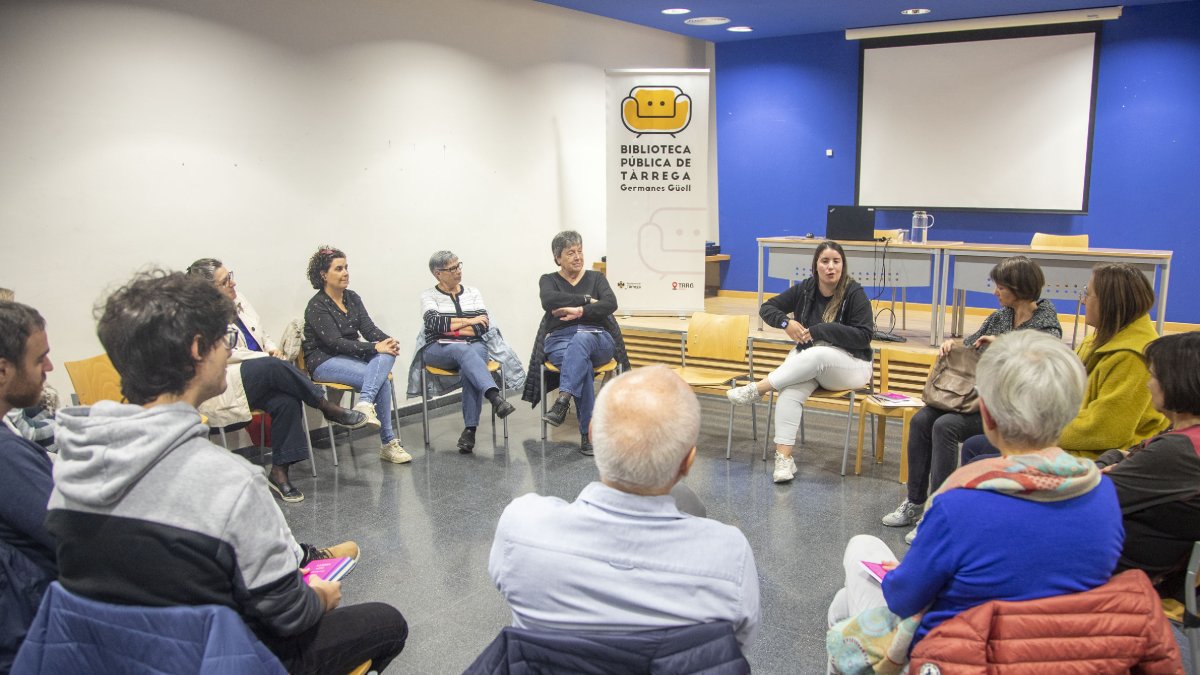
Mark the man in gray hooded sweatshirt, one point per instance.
(147, 511)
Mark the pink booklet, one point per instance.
(875, 569)
(329, 569)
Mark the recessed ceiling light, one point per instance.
(707, 21)
(915, 11)
(677, 10)
(739, 29)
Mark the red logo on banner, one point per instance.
(674, 285)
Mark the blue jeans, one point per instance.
(470, 359)
(976, 448)
(370, 379)
(575, 353)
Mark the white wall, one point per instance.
(157, 132)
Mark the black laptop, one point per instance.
(850, 223)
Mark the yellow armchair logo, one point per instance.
(656, 110)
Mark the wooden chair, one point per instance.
(896, 236)
(901, 372)
(94, 379)
(1043, 240)
(547, 367)
(713, 358)
(493, 367)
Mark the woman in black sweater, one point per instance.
(832, 325)
(577, 302)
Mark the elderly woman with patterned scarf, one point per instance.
(1033, 523)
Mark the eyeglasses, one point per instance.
(226, 282)
(231, 337)
(451, 269)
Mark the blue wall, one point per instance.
(781, 102)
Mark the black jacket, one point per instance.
(851, 330)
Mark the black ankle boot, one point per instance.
(466, 442)
(558, 412)
(585, 446)
(351, 419)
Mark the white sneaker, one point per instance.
(908, 538)
(744, 395)
(785, 468)
(906, 514)
(394, 452)
(368, 409)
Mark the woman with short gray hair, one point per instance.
(580, 333)
(455, 320)
(1033, 523)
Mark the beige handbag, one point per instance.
(951, 383)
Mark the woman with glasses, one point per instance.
(257, 378)
(934, 434)
(1117, 411)
(455, 320)
(342, 344)
(577, 334)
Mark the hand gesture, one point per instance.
(388, 346)
(481, 320)
(568, 313)
(946, 347)
(798, 333)
(984, 340)
(330, 592)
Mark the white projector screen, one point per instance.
(998, 124)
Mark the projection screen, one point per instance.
(998, 124)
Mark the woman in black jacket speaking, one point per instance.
(830, 320)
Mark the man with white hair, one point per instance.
(622, 557)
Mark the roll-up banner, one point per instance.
(657, 162)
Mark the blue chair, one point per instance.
(73, 634)
(708, 648)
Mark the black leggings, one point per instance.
(343, 640)
(281, 389)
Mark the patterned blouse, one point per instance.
(1045, 319)
(330, 332)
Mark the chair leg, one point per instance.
(846, 445)
(395, 411)
(767, 433)
(224, 440)
(503, 397)
(862, 423)
(262, 434)
(729, 433)
(881, 435)
(312, 460)
(904, 446)
(329, 426)
(754, 419)
(425, 407)
(545, 394)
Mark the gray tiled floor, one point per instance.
(426, 528)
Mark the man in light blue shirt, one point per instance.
(622, 557)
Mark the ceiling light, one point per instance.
(739, 29)
(677, 10)
(914, 11)
(707, 21)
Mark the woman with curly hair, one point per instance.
(342, 344)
